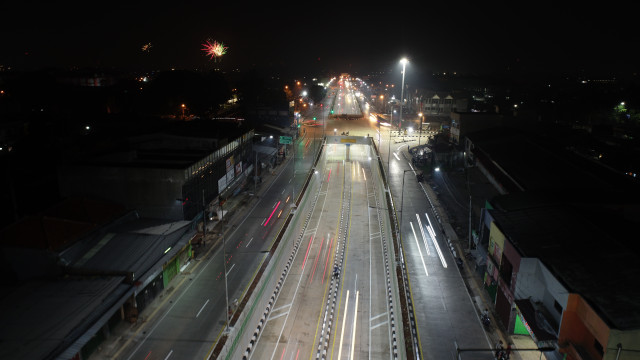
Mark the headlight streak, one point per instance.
(424, 236)
(420, 251)
(435, 242)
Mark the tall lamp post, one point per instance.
(404, 172)
(420, 133)
(389, 152)
(404, 62)
(224, 268)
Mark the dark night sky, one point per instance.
(441, 36)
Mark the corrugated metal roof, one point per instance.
(39, 318)
(133, 247)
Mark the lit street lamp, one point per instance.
(420, 116)
(404, 62)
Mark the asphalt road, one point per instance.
(190, 317)
(446, 312)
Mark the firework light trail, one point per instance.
(214, 49)
(147, 47)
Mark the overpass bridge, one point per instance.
(333, 283)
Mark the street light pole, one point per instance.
(404, 62)
(420, 115)
(293, 181)
(466, 168)
(402, 196)
(204, 220)
(255, 177)
(389, 151)
(224, 268)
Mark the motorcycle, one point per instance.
(486, 321)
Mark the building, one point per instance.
(559, 273)
(470, 122)
(80, 269)
(171, 173)
(558, 245)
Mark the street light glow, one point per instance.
(404, 62)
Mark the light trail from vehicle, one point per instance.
(420, 251)
(274, 210)
(424, 236)
(344, 321)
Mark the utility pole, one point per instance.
(224, 266)
(466, 168)
(255, 177)
(204, 219)
(293, 181)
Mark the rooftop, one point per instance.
(536, 162)
(591, 253)
(42, 318)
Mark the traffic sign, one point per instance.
(286, 140)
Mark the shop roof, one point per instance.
(592, 258)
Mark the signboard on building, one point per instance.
(286, 140)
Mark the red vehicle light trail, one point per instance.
(274, 210)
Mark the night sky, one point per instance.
(443, 36)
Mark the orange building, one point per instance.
(585, 335)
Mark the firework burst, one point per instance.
(214, 49)
(146, 47)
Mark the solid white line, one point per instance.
(169, 354)
(355, 322)
(249, 242)
(396, 155)
(202, 308)
(344, 320)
